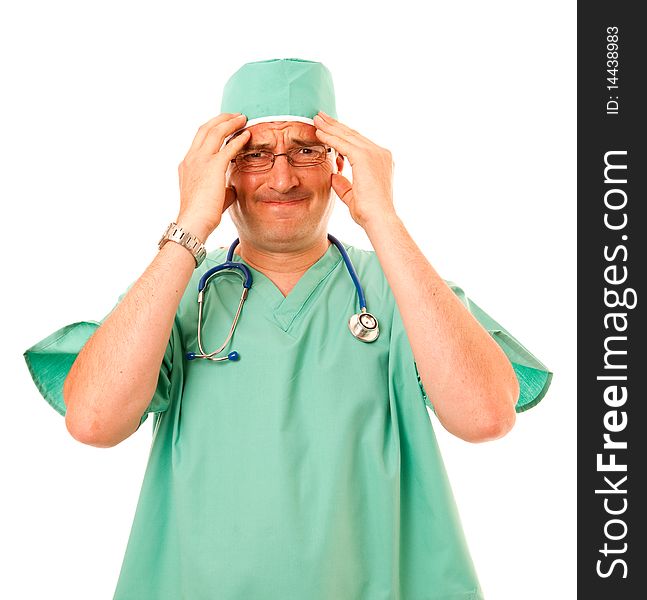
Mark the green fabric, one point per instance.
(533, 376)
(307, 469)
(286, 86)
(49, 362)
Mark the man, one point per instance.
(308, 469)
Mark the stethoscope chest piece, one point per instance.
(364, 327)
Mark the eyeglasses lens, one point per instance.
(261, 160)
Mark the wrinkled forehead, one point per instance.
(269, 135)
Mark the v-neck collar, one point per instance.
(286, 308)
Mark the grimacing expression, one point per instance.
(285, 204)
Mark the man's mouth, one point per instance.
(285, 202)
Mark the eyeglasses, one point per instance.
(257, 161)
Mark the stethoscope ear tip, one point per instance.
(190, 355)
(233, 355)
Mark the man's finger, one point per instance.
(330, 128)
(204, 129)
(235, 145)
(217, 134)
(338, 143)
(328, 124)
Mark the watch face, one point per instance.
(368, 320)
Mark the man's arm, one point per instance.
(465, 373)
(467, 376)
(114, 377)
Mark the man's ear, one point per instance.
(230, 197)
(339, 164)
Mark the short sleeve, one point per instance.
(49, 361)
(533, 376)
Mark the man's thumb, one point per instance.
(343, 188)
(230, 198)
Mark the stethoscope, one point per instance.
(363, 325)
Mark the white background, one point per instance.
(476, 100)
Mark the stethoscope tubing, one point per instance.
(244, 272)
(333, 239)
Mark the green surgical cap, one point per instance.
(280, 89)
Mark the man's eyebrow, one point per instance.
(268, 146)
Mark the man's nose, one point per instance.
(282, 176)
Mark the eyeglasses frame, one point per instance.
(287, 156)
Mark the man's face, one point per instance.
(286, 205)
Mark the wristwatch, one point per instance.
(176, 234)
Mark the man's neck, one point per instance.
(283, 265)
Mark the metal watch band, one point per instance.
(176, 234)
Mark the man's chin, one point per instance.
(284, 233)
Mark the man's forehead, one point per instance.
(275, 130)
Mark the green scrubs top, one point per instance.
(309, 469)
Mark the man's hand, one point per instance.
(203, 192)
(467, 375)
(371, 193)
